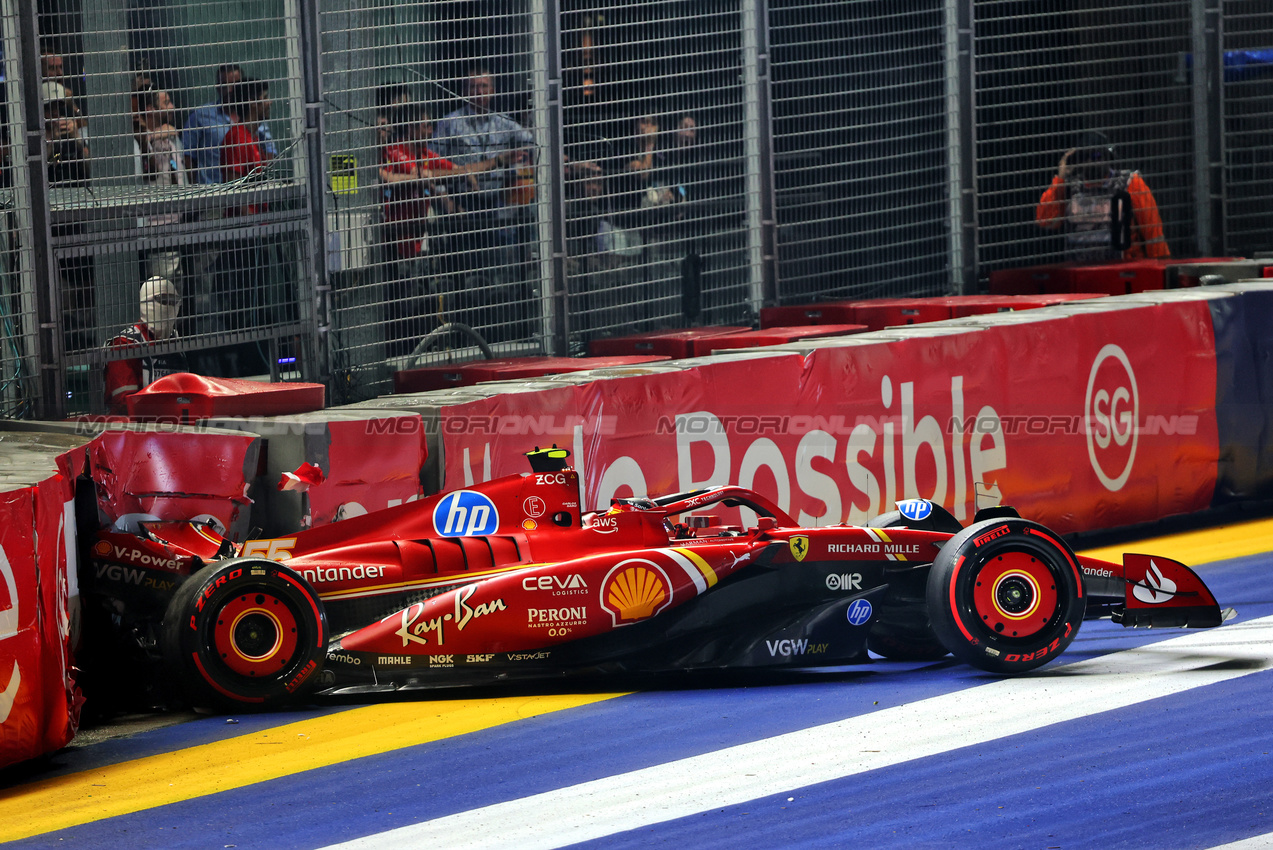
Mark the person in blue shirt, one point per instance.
(206, 128)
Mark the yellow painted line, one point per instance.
(121, 789)
(1191, 548)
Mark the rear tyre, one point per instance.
(1006, 595)
(244, 633)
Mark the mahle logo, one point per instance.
(1111, 410)
(465, 513)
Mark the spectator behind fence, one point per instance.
(1105, 213)
(54, 86)
(412, 176)
(246, 148)
(239, 291)
(474, 134)
(388, 99)
(160, 162)
(206, 127)
(69, 168)
(160, 303)
(492, 227)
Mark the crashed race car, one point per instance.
(509, 580)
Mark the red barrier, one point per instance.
(1121, 278)
(825, 312)
(962, 306)
(39, 701)
(1084, 421)
(770, 336)
(1031, 280)
(426, 378)
(185, 397)
(898, 312)
(675, 343)
(179, 474)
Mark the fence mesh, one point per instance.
(19, 389)
(1248, 126)
(860, 147)
(174, 171)
(656, 215)
(1049, 73)
(548, 172)
(436, 159)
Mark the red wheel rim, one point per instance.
(1015, 595)
(255, 634)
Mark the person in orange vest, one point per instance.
(1105, 213)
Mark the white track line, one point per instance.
(880, 739)
(1255, 842)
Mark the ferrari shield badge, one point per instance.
(799, 544)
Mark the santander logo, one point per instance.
(1111, 410)
(1157, 588)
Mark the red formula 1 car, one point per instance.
(509, 580)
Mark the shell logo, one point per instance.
(102, 547)
(635, 590)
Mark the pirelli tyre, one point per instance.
(1006, 595)
(244, 633)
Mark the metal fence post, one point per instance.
(961, 129)
(547, 84)
(1208, 126)
(314, 305)
(762, 239)
(47, 297)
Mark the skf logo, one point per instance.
(1111, 410)
(465, 513)
(635, 590)
(799, 546)
(1156, 589)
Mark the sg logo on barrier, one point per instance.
(1111, 411)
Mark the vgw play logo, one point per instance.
(465, 513)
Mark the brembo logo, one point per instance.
(1112, 409)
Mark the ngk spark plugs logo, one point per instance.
(1112, 409)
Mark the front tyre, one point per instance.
(1006, 595)
(244, 633)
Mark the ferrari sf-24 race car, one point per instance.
(509, 580)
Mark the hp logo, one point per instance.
(859, 612)
(915, 509)
(465, 513)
